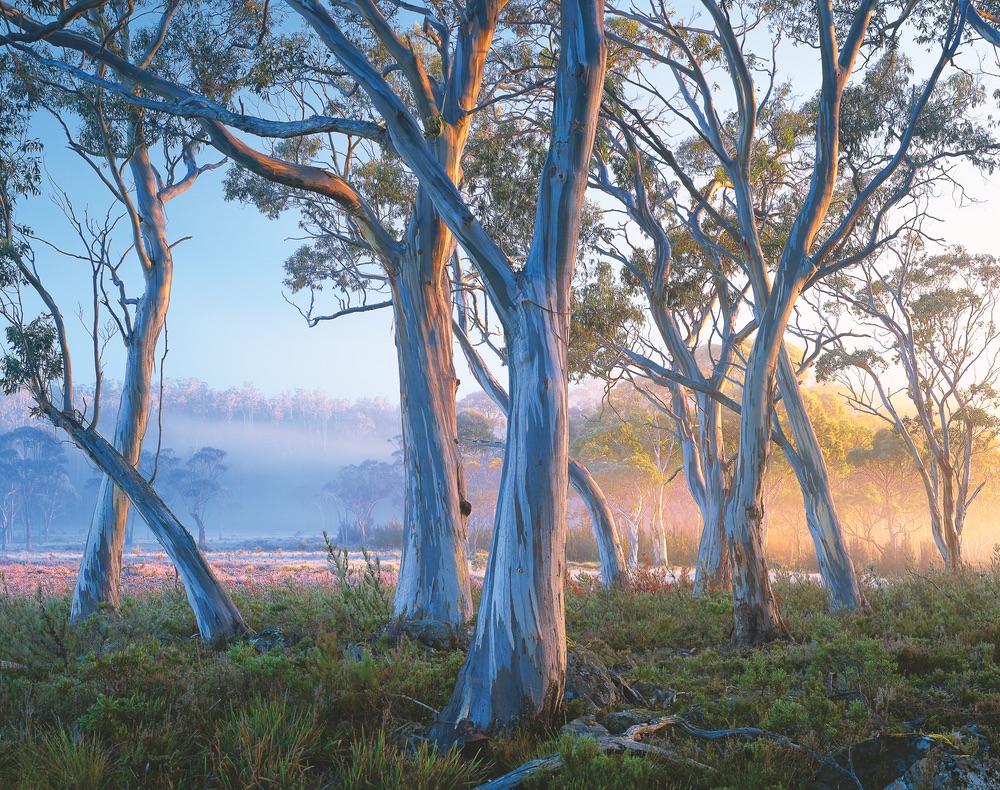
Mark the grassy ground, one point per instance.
(131, 700)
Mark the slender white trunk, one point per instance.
(709, 483)
(835, 566)
(217, 617)
(614, 569)
(100, 568)
(434, 579)
(517, 661)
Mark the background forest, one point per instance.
(294, 466)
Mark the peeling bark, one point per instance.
(755, 612)
(517, 661)
(434, 579)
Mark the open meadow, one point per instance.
(335, 692)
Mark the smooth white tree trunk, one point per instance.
(99, 577)
(434, 579)
(517, 661)
(614, 568)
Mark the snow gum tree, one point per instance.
(830, 217)
(116, 141)
(37, 359)
(934, 316)
(434, 580)
(516, 663)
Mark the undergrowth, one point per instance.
(131, 699)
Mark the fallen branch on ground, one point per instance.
(628, 741)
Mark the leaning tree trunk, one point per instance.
(614, 568)
(217, 617)
(516, 664)
(755, 612)
(99, 577)
(835, 566)
(434, 570)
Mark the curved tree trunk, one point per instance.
(434, 570)
(217, 617)
(614, 568)
(100, 569)
(517, 661)
(835, 566)
(755, 612)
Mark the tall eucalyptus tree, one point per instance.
(113, 139)
(693, 301)
(935, 317)
(516, 665)
(37, 359)
(434, 581)
(822, 235)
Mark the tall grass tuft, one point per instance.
(374, 763)
(62, 759)
(264, 743)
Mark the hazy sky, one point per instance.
(228, 321)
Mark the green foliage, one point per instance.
(367, 599)
(264, 743)
(584, 766)
(60, 759)
(33, 359)
(374, 763)
(131, 701)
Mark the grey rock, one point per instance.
(584, 727)
(952, 773)
(589, 680)
(432, 633)
(268, 639)
(357, 652)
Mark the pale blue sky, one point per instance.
(228, 321)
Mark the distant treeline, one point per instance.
(310, 410)
(280, 450)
